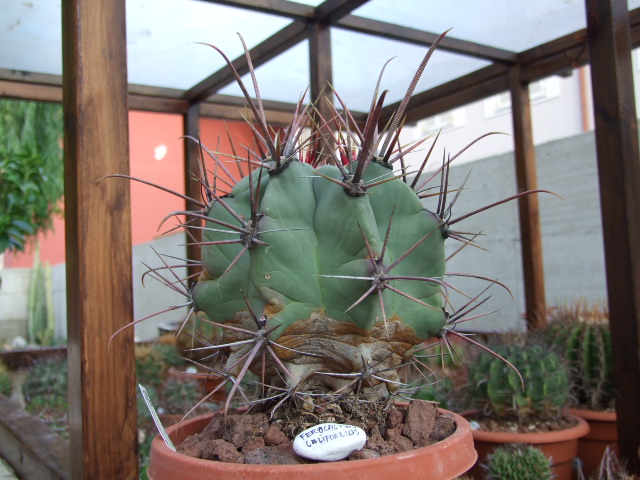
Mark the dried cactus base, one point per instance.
(326, 354)
(254, 438)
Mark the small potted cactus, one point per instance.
(518, 462)
(525, 409)
(582, 334)
(323, 275)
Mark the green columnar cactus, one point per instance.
(518, 462)
(582, 334)
(6, 382)
(322, 270)
(497, 388)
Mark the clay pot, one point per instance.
(207, 381)
(444, 460)
(561, 446)
(603, 432)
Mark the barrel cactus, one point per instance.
(498, 389)
(518, 462)
(322, 271)
(582, 334)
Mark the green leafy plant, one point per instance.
(168, 354)
(31, 169)
(47, 378)
(322, 270)
(541, 391)
(6, 382)
(582, 334)
(518, 462)
(46, 393)
(178, 396)
(150, 369)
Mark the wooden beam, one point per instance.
(233, 112)
(331, 11)
(102, 384)
(29, 91)
(321, 74)
(321, 69)
(192, 186)
(31, 448)
(420, 37)
(619, 177)
(279, 42)
(529, 212)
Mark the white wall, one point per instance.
(571, 230)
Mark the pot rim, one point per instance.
(459, 444)
(579, 430)
(594, 415)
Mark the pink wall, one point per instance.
(156, 155)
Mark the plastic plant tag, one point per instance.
(156, 420)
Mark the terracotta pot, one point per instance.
(208, 382)
(560, 446)
(444, 460)
(603, 432)
(168, 419)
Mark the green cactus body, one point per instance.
(317, 236)
(583, 336)
(323, 276)
(498, 387)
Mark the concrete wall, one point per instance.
(14, 297)
(149, 298)
(571, 229)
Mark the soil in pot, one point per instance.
(557, 438)
(393, 447)
(254, 438)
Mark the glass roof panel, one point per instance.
(162, 36)
(30, 35)
(358, 60)
(514, 25)
(284, 78)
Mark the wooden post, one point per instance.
(102, 395)
(530, 237)
(192, 187)
(321, 71)
(619, 176)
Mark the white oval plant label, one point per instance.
(328, 442)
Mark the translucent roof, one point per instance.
(164, 51)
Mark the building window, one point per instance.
(540, 91)
(444, 121)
